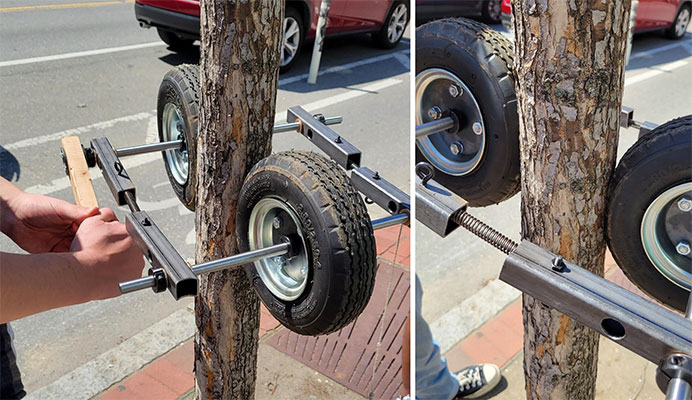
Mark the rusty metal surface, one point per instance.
(348, 356)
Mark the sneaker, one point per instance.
(477, 380)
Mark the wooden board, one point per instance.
(350, 356)
(78, 171)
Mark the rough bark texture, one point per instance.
(570, 76)
(239, 76)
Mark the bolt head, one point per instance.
(455, 91)
(277, 222)
(685, 204)
(477, 128)
(683, 248)
(435, 112)
(304, 270)
(456, 148)
(280, 260)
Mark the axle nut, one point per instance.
(455, 91)
(435, 112)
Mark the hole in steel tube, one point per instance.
(613, 329)
(392, 206)
(309, 133)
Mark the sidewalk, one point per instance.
(621, 373)
(284, 375)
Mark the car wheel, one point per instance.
(492, 11)
(327, 279)
(175, 42)
(293, 30)
(394, 26)
(177, 114)
(649, 213)
(682, 20)
(464, 68)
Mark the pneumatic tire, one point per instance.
(326, 221)
(177, 114)
(649, 181)
(481, 60)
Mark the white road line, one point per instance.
(93, 377)
(131, 162)
(78, 131)
(76, 54)
(654, 71)
(651, 52)
(472, 313)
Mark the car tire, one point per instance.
(177, 114)
(492, 11)
(291, 19)
(394, 25)
(657, 166)
(176, 42)
(680, 23)
(336, 233)
(482, 59)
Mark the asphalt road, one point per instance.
(114, 95)
(658, 81)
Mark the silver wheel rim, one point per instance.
(436, 147)
(290, 42)
(397, 24)
(658, 248)
(682, 21)
(284, 277)
(177, 159)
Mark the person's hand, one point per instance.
(42, 224)
(106, 254)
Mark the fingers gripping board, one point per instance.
(78, 171)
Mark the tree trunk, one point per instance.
(239, 77)
(570, 75)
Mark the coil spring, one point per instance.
(485, 232)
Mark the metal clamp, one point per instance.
(435, 204)
(627, 121)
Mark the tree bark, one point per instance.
(239, 77)
(570, 74)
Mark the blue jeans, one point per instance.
(434, 381)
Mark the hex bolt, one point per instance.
(179, 126)
(477, 128)
(277, 222)
(683, 248)
(455, 91)
(435, 112)
(685, 204)
(456, 148)
(558, 264)
(304, 270)
(281, 260)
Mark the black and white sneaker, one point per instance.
(477, 380)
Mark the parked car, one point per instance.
(670, 16)
(177, 22)
(487, 10)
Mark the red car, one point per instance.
(177, 22)
(672, 16)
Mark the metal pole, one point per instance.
(435, 126)
(319, 41)
(390, 221)
(216, 265)
(678, 389)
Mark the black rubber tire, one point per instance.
(339, 238)
(659, 160)
(380, 38)
(491, 12)
(175, 42)
(292, 12)
(180, 86)
(670, 32)
(483, 59)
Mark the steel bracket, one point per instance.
(435, 206)
(380, 191)
(114, 172)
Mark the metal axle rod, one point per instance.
(390, 221)
(176, 144)
(438, 125)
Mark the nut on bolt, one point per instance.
(455, 91)
(435, 112)
(456, 148)
(477, 128)
(277, 222)
(683, 248)
(685, 204)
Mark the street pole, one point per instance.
(319, 41)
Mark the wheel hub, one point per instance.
(436, 87)
(291, 40)
(397, 23)
(666, 232)
(273, 221)
(177, 159)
